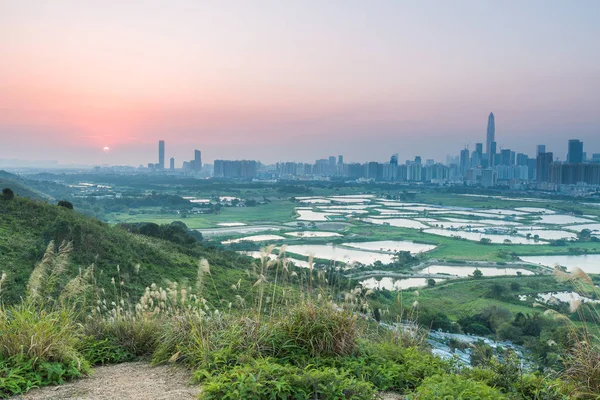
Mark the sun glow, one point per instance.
(106, 149)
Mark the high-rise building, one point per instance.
(340, 160)
(490, 137)
(522, 159)
(541, 148)
(492, 159)
(172, 164)
(505, 157)
(575, 154)
(394, 159)
(197, 160)
(479, 149)
(543, 166)
(161, 154)
(464, 162)
(489, 177)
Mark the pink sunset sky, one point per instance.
(294, 80)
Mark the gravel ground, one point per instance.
(135, 381)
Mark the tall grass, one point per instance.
(582, 361)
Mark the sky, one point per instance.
(294, 80)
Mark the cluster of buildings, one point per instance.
(486, 166)
(194, 165)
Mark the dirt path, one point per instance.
(135, 381)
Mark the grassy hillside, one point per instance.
(20, 187)
(27, 226)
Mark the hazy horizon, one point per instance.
(294, 81)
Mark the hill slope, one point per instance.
(20, 187)
(27, 226)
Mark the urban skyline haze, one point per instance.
(255, 80)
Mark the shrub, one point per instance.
(318, 330)
(8, 194)
(18, 374)
(449, 387)
(390, 367)
(103, 351)
(65, 204)
(265, 379)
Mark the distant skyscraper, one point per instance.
(479, 149)
(492, 155)
(575, 154)
(464, 161)
(505, 157)
(161, 154)
(394, 159)
(490, 137)
(543, 166)
(197, 160)
(522, 159)
(172, 164)
(541, 148)
(340, 160)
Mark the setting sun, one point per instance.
(106, 149)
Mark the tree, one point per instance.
(496, 291)
(477, 274)
(584, 235)
(485, 241)
(431, 282)
(65, 204)
(7, 194)
(508, 331)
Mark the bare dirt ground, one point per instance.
(135, 381)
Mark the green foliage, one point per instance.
(136, 335)
(66, 204)
(176, 232)
(265, 379)
(19, 374)
(103, 351)
(389, 366)
(37, 347)
(7, 194)
(456, 387)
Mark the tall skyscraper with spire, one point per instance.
(491, 136)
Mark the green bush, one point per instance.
(19, 374)
(265, 379)
(391, 367)
(103, 351)
(456, 387)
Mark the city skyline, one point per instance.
(242, 81)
